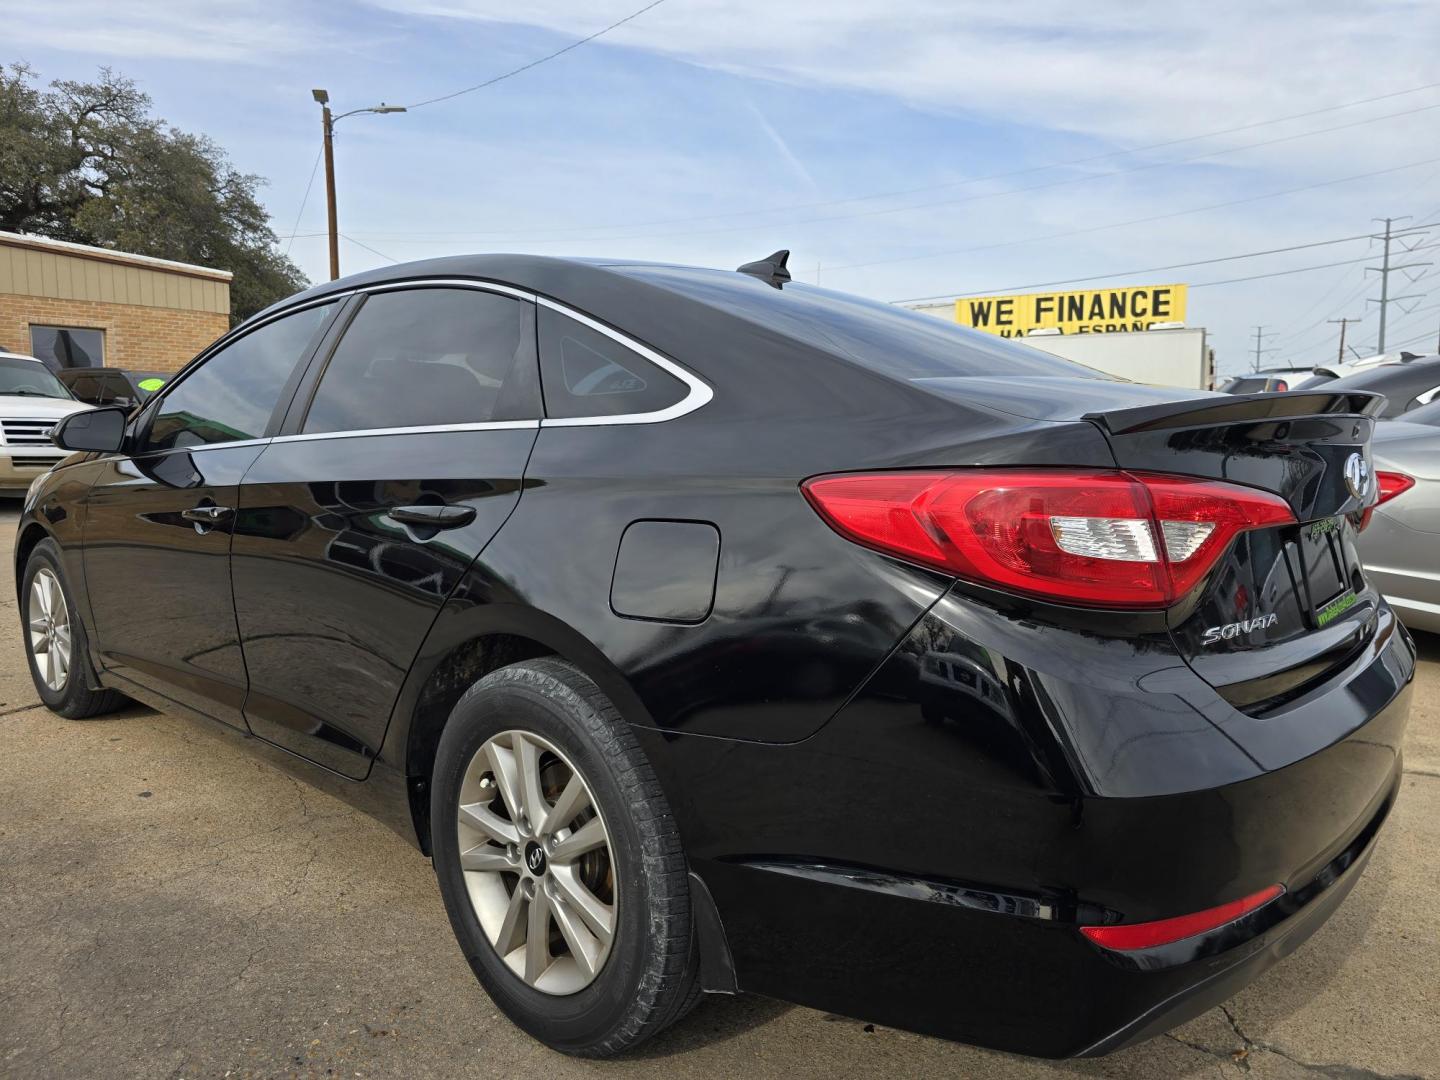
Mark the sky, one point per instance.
(900, 150)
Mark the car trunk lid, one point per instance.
(1285, 605)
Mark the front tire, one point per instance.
(560, 863)
(55, 642)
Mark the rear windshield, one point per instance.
(891, 340)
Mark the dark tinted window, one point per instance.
(587, 373)
(419, 357)
(232, 394)
(86, 388)
(67, 347)
(883, 337)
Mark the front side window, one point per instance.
(26, 378)
(589, 374)
(67, 346)
(427, 357)
(231, 395)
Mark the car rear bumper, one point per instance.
(928, 866)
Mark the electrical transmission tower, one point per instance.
(1260, 337)
(1386, 268)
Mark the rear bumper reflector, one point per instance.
(1147, 935)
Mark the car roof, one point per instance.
(1421, 374)
(20, 356)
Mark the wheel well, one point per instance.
(32, 535)
(465, 665)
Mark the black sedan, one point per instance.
(713, 632)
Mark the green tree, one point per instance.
(87, 162)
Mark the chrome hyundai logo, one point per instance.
(1357, 475)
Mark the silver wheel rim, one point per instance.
(49, 629)
(536, 857)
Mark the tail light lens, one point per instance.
(1388, 485)
(1099, 538)
(1391, 484)
(1148, 935)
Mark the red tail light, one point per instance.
(1392, 484)
(1100, 538)
(1147, 935)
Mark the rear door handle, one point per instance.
(432, 517)
(207, 515)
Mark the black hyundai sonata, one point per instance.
(713, 632)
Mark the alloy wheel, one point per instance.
(537, 862)
(50, 640)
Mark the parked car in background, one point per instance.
(32, 402)
(625, 591)
(1323, 373)
(1267, 380)
(111, 386)
(1399, 547)
(1405, 386)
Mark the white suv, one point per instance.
(32, 401)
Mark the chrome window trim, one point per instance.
(156, 400)
(424, 429)
(698, 395)
(698, 392)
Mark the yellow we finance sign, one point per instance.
(1083, 311)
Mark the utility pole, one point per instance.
(1385, 269)
(1340, 353)
(1260, 336)
(329, 122)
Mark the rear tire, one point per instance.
(549, 713)
(55, 643)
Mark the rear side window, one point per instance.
(586, 373)
(425, 357)
(232, 393)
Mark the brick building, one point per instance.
(86, 306)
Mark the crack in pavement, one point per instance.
(1334, 1071)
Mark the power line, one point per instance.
(1149, 269)
(450, 238)
(1165, 217)
(897, 193)
(535, 63)
(570, 232)
(370, 249)
(303, 200)
(1061, 183)
(1296, 270)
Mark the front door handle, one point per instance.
(207, 517)
(432, 517)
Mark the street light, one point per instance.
(322, 97)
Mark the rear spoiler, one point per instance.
(1237, 409)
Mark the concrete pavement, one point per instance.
(171, 905)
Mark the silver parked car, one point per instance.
(1401, 545)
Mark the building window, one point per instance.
(67, 346)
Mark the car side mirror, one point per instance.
(102, 430)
